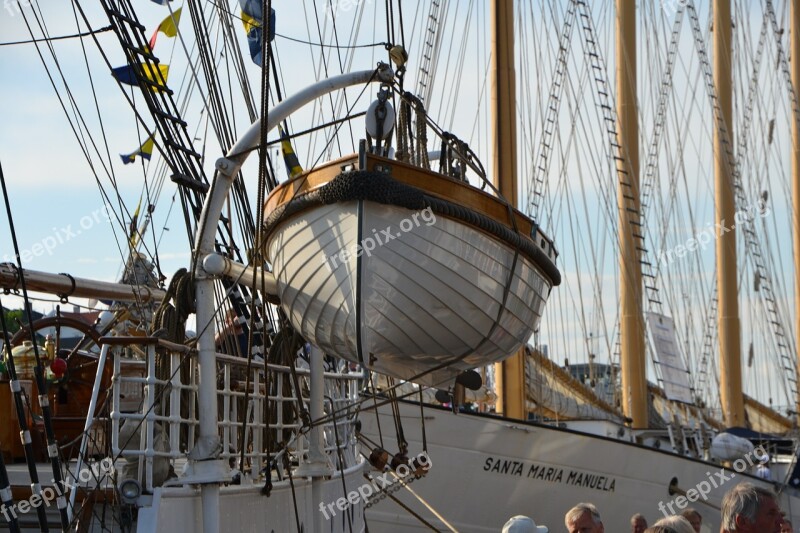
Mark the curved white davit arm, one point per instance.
(279, 113)
(227, 168)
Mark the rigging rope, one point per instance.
(44, 402)
(60, 37)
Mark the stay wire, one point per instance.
(324, 61)
(23, 426)
(344, 46)
(258, 264)
(52, 445)
(340, 456)
(132, 105)
(73, 103)
(59, 38)
(341, 70)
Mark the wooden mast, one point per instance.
(795, 66)
(632, 354)
(729, 342)
(510, 374)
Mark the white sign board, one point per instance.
(668, 358)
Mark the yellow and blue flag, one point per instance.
(293, 167)
(156, 74)
(144, 151)
(252, 18)
(168, 26)
(133, 228)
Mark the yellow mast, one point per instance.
(795, 66)
(632, 355)
(510, 374)
(730, 367)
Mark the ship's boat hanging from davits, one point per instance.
(407, 271)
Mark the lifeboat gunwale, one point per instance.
(444, 194)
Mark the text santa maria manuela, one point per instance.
(576, 478)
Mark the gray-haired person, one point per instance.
(747, 508)
(671, 524)
(584, 518)
(693, 517)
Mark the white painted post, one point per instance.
(87, 426)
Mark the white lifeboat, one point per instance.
(406, 271)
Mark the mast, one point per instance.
(795, 66)
(730, 366)
(510, 374)
(632, 354)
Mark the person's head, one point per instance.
(750, 509)
(671, 524)
(584, 518)
(786, 527)
(693, 517)
(522, 524)
(638, 523)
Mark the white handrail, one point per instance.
(87, 426)
(341, 388)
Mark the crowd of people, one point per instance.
(746, 508)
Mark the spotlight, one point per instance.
(129, 490)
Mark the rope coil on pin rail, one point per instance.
(64, 297)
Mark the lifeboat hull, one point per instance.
(407, 293)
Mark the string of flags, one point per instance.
(156, 75)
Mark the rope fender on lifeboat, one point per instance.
(381, 188)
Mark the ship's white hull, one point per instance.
(488, 469)
(245, 509)
(432, 294)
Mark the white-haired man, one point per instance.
(747, 508)
(584, 518)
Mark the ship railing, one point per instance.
(162, 390)
(165, 424)
(287, 430)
